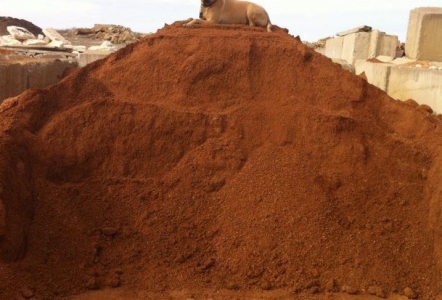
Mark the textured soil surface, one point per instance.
(218, 163)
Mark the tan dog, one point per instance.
(232, 12)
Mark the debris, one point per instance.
(105, 46)
(35, 42)
(9, 40)
(55, 36)
(20, 33)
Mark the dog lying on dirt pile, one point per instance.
(232, 12)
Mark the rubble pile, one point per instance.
(17, 33)
(116, 34)
(52, 39)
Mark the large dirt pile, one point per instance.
(226, 158)
(10, 21)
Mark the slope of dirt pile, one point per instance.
(218, 158)
(9, 21)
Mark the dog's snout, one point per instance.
(201, 15)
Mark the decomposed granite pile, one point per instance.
(224, 158)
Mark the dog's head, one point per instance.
(207, 3)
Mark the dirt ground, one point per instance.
(222, 294)
(218, 163)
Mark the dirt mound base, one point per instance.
(218, 158)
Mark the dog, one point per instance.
(232, 12)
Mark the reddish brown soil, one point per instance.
(222, 159)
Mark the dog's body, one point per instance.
(232, 12)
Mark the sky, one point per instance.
(310, 19)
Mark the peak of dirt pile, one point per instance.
(9, 21)
(222, 158)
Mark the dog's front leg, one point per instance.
(183, 22)
(198, 22)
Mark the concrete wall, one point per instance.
(403, 83)
(422, 85)
(18, 76)
(424, 34)
(90, 56)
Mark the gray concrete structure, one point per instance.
(424, 35)
(20, 75)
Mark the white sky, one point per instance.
(310, 19)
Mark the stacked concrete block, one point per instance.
(424, 35)
(361, 45)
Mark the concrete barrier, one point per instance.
(424, 34)
(18, 76)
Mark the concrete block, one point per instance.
(333, 47)
(90, 56)
(20, 33)
(382, 44)
(402, 82)
(12, 80)
(362, 45)
(9, 40)
(42, 74)
(377, 73)
(356, 46)
(422, 85)
(55, 36)
(424, 34)
(16, 77)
